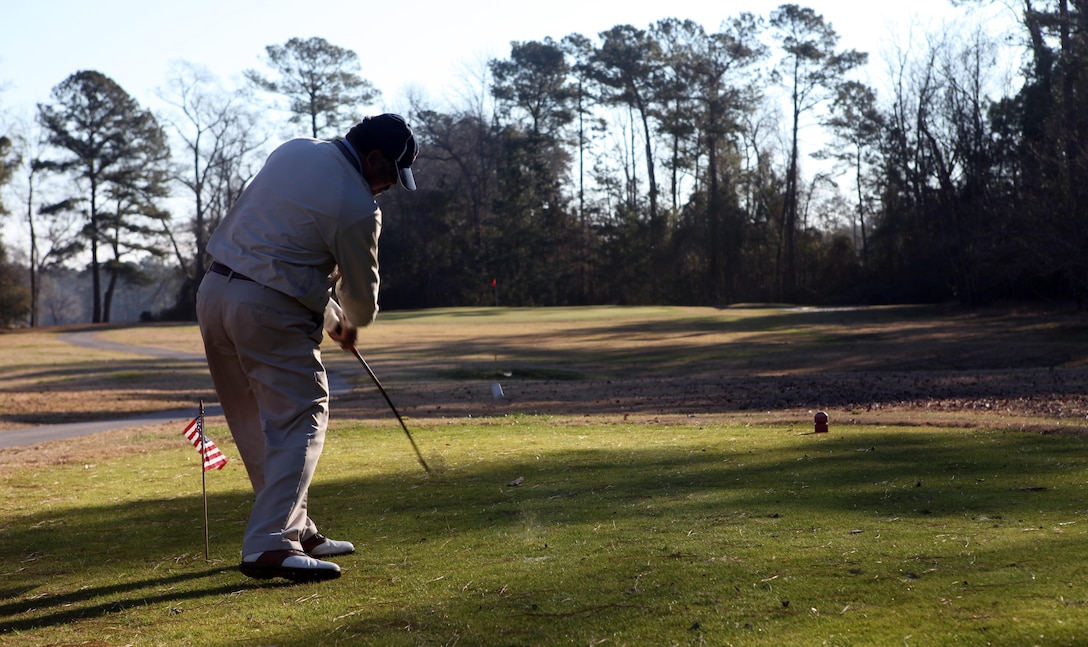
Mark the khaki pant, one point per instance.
(264, 358)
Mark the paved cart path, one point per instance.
(48, 433)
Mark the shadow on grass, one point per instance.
(909, 475)
(116, 381)
(718, 485)
(855, 359)
(906, 338)
(89, 376)
(84, 604)
(836, 359)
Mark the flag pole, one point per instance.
(203, 479)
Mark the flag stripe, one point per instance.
(213, 457)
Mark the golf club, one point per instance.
(377, 383)
(332, 324)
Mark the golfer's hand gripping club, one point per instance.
(334, 315)
(340, 330)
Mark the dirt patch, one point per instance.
(86, 450)
(857, 398)
(1007, 368)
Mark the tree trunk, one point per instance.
(789, 221)
(34, 289)
(108, 297)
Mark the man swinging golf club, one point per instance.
(307, 224)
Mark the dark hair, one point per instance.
(390, 134)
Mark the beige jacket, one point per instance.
(308, 215)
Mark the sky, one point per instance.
(426, 47)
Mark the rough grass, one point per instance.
(672, 494)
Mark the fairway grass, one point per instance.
(686, 531)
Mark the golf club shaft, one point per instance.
(377, 383)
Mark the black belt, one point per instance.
(219, 268)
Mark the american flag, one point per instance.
(213, 458)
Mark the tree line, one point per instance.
(665, 164)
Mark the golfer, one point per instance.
(306, 225)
